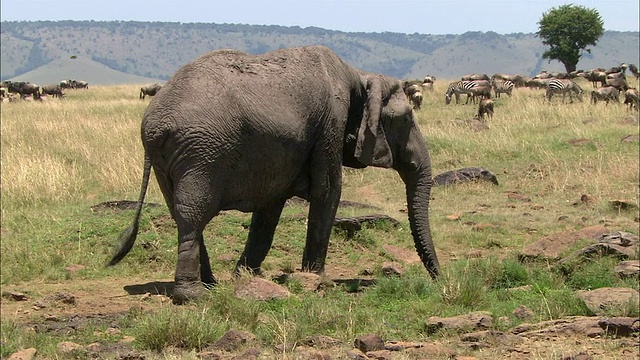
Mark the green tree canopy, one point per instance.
(568, 30)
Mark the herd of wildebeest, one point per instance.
(609, 85)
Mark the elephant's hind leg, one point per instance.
(263, 227)
(193, 209)
(206, 275)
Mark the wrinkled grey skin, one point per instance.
(246, 132)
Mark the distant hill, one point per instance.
(108, 52)
(81, 69)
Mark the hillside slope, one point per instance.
(157, 49)
(91, 71)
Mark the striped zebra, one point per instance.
(502, 87)
(459, 87)
(563, 86)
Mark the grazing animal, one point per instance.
(462, 87)
(563, 86)
(596, 76)
(543, 75)
(80, 84)
(617, 82)
(479, 92)
(410, 88)
(605, 93)
(537, 83)
(475, 77)
(429, 79)
(416, 100)
(516, 79)
(149, 90)
(631, 98)
(503, 87)
(25, 89)
(66, 84)
(246, 132)
(613, 70)
(54, 90)
(427, 86)
(634, 70)
(485, 107)
(468, 174)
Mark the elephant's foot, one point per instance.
(184, 292)
(241, 269)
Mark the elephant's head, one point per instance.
(386, 135)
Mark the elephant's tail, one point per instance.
(128, 237)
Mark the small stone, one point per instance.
(14, 296)
(523, 313)
(371, 342)
(26, 354)
(69, 347)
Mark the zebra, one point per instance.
(563, 86)
(457, 88)
(503, 86)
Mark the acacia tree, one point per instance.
(568, 30)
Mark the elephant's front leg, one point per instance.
(263, 227)
(323, 204)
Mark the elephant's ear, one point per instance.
(372, 147)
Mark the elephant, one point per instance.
(232, 130)
(150, 90)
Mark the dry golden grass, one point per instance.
(86, 149)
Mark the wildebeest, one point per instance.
(485, 108)
(618, 82)
(516, 79)
(54, 90)
(150, 90)
(596, 76)
(80, 84)
(416, 100)
(467, 174)
(471, 77)
(23, 88)
(631, 98)
(481, 92)
(66, 84)
(605, 93)
(429, 79)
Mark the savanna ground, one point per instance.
(62, 158)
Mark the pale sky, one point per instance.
(403, 16)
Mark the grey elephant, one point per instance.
(149, 90)
(246, 132)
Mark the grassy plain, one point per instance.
(60, 158)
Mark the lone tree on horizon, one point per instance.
(568, 30)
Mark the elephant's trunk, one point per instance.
(418, 185)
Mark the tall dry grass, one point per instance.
(85, 147)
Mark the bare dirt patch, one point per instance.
(66, 308)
